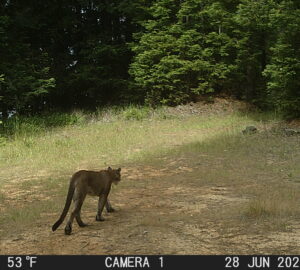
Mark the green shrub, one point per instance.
(136, 113)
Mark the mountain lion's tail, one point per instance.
(67, 205)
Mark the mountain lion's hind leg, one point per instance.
(75, 213)
(78, 217)
(108, 207)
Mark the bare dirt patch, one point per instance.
(218, 105)
(161, 209)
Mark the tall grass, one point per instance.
(101, 143)
(16, 126)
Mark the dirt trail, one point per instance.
(159, 211)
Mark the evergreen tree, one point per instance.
(86, 53)
(283, 72)
(254, 34)
(185, 51)
(24, 71)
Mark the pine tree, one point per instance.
(283, 72)
(185, 51)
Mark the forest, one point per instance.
(84, 54)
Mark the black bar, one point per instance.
(182, 262)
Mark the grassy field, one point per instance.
(110, 139)
(207, 150)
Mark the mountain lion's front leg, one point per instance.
(102, 201)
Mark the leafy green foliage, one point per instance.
(283, 72)
(255, 35)
(85, 54)
(66, 54)
(136, 113)
(24, 72)
(179, 58)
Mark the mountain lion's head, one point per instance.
(115, 174)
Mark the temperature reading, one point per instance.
(14, 262)
(17, 262)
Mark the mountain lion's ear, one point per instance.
(109, 169)
(119, 169)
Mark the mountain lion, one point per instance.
(91, 183)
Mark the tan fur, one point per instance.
(91, 183)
